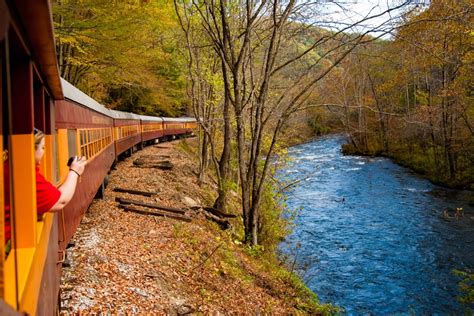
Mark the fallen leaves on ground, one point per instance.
(124, 262)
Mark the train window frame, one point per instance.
(99, 140)
(72, 142)
(3, 254)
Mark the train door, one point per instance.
(8, 266)
(4, 212)
(7, 259)
(20, 89)
(21, 166)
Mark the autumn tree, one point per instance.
(124, 53)
(205, 91)
(268, 75)
(440, 40)
(416, 98)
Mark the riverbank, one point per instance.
(418, 163)
(125, 262)
(371, 236)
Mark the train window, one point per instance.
(55, 166)
(93, 141)
(100, 140)
(5, 241)
(72, 142)
(82, 140)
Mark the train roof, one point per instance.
(179, 119)
(76, 95)
(35, 18)
(124, 115)
(151, 118)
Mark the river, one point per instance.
(370, 236)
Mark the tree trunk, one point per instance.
(220, 203)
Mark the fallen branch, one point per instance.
(162, 166)
(223, 223)
(153, 276)
(207, 258)
(214, 211)
(151, 162)
(149, 205)
(135, 209)
(131, 191)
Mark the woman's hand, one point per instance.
(69, 186)
(78, 164)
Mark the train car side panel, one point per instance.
(83, 130)
(72, 115)
(43, 281)
(90, 181)
(152, 127)
(127, 134)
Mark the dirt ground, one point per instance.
(124, 262)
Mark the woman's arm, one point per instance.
(68, 187)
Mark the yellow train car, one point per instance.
(30, 84)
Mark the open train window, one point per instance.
(56, 169)
(72, 142)
(83, 141)
(5, 241)
(5, 184)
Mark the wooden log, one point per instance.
(135, 209)
(163, 166)
(223, 223)
(131, 191)
(219, 213)
(152, 162)
(149, 160)
(150, 205)
(214, 211)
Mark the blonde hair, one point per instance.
(39, 135)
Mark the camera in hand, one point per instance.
(71, 159)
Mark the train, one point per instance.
(33, 95)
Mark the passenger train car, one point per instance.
(33, 95)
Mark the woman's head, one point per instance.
(39, 145)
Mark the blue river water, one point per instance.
(370, 236)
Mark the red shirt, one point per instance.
(46, 194)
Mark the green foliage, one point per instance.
(411, 98)
(254, 250)
(305, 300)
(125, 54)
(273, 225)
(466, 285)
(185, 147)
(318, 125)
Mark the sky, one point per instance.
(351, 11)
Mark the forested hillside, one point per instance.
(410, 97)
(126, 54)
